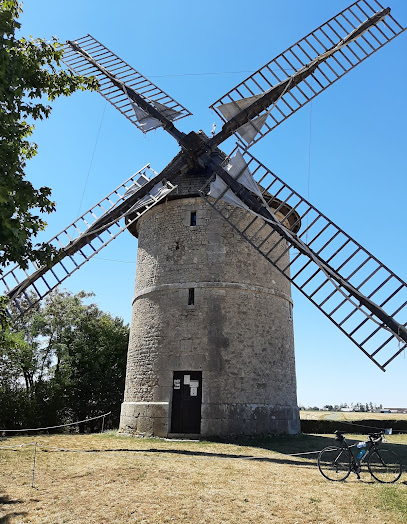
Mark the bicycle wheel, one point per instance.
(384, 465)
(334, 463)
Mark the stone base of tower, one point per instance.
(149, 419)
(248, 419)
(145, 419)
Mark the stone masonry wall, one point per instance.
(239, 331)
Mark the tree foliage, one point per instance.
(29, 75)
(66, 363)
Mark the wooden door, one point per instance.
(186, 402)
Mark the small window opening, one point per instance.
(193, 218)
(191, 296)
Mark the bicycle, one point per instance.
(337, 462)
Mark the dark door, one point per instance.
(186, 402)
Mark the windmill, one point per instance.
(221, 238)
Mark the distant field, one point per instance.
(109, 478)
(346, 415)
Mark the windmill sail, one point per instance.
(85, 238)
(143, 120)
(253, 127)
(147, 123)
(237, 169)
(358, 293)
(231, 109)
(95, 59)
(310, 66)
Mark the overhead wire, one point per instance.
(116, 260)
(208, 73)
(309, 164)
(92, 158)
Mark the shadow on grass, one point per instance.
(306, 461)
(287, 446)
(291, 444)
(11, 516)
(5, 499)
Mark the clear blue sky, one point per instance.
(354, 159)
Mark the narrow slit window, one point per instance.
(193, 218)
(191, 296)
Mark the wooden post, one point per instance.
(35, 457)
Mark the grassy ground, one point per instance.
(157, 481)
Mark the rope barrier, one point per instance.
(66, 450)
(17, 446)
(235, 457)
(311, 452)
(54, 427)
(240, 457)
(172, 457)
(362, 426)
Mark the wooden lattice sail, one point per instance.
(358, 293)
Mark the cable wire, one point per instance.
(92, 157)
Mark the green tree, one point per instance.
(29, 75)
(67, 362)
(97, 363)
(4, 322)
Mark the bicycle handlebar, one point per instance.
(372, 436)
(376, 436)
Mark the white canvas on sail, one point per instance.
(237, 169)
(231, 109)
(144, 121)
(249, 130)
(219, 191)
(166, 111)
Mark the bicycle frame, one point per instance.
(372, 444)
(337, 462)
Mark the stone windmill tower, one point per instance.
(221, 240)
(226, 366)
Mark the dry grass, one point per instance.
(350, 415)
(156, 481)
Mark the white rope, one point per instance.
(260, 457)
(17, 446)
(67, 450)
(363, 426)
(54, 427)
(304, 453)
